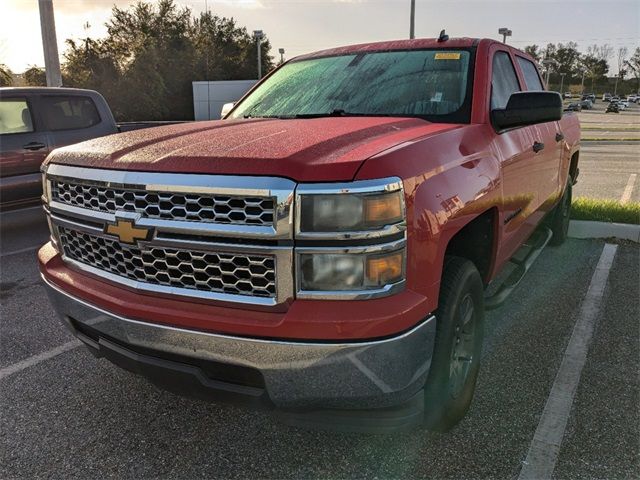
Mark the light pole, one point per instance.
(505, 32)
(562, 81)
(281, 52)
(412, 20)
(258, 36)
(49, 44)
(582, 83)
(548, 62)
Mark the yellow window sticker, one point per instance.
(447, 56)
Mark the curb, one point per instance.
(585, 229)
(633, 141)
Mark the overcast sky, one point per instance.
(301, 26)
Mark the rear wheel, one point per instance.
(456, 358)
(560, 217)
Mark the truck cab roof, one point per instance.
(47, 90)
(413, 44)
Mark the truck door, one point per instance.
(23, 148)
(549, 157)
(519, 182)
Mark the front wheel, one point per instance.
(456, 357)
(560, 217)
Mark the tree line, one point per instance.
(568, 66)
(152, 52)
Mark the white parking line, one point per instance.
(41, 357)
(22, 250)
(544, 448)
(626, 195)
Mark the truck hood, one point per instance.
(321, 149)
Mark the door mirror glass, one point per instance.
(528, 108)
(226, 108)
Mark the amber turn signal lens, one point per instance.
(384, 269)
(383, 209)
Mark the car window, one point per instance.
(15, 116)
(531, 77)
(67, 113)
(504, 80)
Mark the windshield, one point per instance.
(431, 84)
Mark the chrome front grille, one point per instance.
(222, 238)
(194, 207)
(228, 273)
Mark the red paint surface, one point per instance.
(451, 174)
(322, 149)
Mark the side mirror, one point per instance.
(528, 108)
(226, 108)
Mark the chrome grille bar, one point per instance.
(213, 205)
(165, 205)
(234, 274)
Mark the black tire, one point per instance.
(458, 345)
(560, 218)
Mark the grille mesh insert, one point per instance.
(231, 273)
(193, 207)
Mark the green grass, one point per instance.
(605, 211)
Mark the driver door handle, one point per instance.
(537, 146)
(34, 146)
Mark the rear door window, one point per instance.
(530, 73)
(504, 80)
(69, 113)
(15, 116)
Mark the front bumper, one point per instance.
(290, 375)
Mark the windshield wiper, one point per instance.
(339, 112)
(260, 116)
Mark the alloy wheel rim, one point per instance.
(462, 347)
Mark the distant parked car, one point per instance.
(623, 104)
(586, 104)
(606, 97)
(573, 107)
(36, 120)
(567, 95)
(613, 108)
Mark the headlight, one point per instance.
(364, 221)
(349, 213)
(353, 211)
(346, 272)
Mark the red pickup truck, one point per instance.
(328, 249)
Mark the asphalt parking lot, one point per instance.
(610, 154)
(70, 415)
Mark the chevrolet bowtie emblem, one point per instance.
(127, 232)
